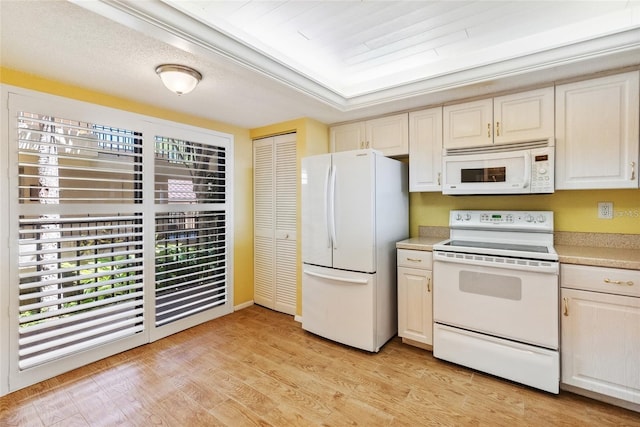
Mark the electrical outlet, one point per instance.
(605, 210)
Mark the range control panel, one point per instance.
(504, 220)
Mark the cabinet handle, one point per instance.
(367, 145)
(565, 311)
(439, 175)
(633, 171)
(497, 128)
(428, 284)
(488, 130)
(414, 259)
(619, 282)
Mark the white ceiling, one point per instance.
(265, 62)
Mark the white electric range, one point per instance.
(496, 296)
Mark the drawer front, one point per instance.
(600, 279)
(415, 259)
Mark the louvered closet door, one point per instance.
(263, 213)
(275, 252)
(285, 223)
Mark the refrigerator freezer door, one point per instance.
(340, 305)
(354, 247)
(316, 242)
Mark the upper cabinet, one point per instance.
(597, 133)
(425, 150)
(520, 117)
(350, 136)
(389, 134)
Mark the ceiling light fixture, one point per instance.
(178, 78)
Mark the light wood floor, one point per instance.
(258, 367)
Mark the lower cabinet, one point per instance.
(415, 297)
(600, 318)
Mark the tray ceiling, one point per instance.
(266, 62)
(359, 47)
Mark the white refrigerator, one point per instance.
(355, 207)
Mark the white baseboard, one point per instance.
(297, 318)
(243, 305)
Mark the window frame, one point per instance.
(15, 98)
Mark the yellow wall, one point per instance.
(312, 137)
(575, 211)
(243, 166)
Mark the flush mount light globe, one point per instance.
(178, 78)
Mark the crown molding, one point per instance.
(163, 22)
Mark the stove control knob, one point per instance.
(467, 217)
(529, 218)
(459, 217)
(542, 218)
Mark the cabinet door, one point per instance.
(597, 133)
(469, 124)
(390, 135)
(526, 116)
(415, 312)
(601, 343)
(350, 136)
(425, 150)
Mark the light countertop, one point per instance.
(601, 257)
(628, 258)
(419, 243)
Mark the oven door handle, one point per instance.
(505, 263)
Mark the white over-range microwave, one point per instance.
(514, 169)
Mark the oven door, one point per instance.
(485, 294)
(487, 173)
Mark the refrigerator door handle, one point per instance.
(327, 205)
(332, 207)
(338, 279)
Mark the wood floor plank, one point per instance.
(55, 406)
(140, 412)
(257, 367)
(19, 415)
(232, 413)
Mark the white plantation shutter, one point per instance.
(191, 268)
(117, 237)
(90, 293)
(190, 228)
(275, 250)
(79, 273)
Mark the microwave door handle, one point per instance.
(527, 169)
